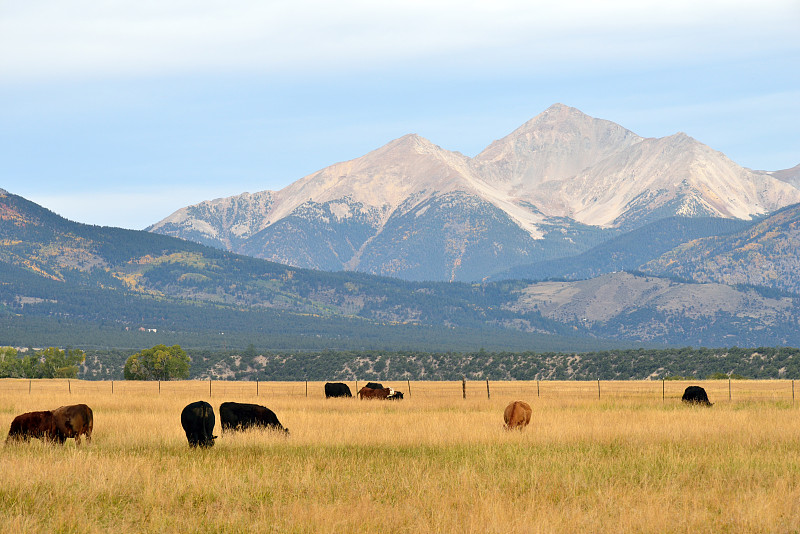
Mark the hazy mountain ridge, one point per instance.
(562, 170)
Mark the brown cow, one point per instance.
(369, 393)
(72, 421)
(517, 415)
(29, 425)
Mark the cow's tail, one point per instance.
(89, 424)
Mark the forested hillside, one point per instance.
(67, 284)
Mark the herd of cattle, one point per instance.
(198, 420)
(373, 390)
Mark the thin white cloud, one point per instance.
(82, 38)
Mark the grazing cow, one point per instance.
(374, 385)
(517, 415)
(72, 421)
(337, 389)
(29, 425)
(695, 395)
(397, 395)
(382, 393)
(238, 416)
(197, 420)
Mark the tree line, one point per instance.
(163, 362)
(46, 363)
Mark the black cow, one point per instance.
(397, 395)
(373, 385)
(337, 389)
(198, 422)
(239, 416)
(695, 395)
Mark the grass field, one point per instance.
(621, 460)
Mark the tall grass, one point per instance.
(429, 463)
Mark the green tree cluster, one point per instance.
(158, 363)
(48, 363)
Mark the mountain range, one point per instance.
(66, 283)
(558, 186)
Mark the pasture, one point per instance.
(621, 459)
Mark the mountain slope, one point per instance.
(623, 305)
(674, 175)
(124, 279)
(629, 251)
(560, 184)
(765, 254)
(790, 176)
(89, 284)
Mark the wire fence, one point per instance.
(656, 390)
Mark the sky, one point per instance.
(120, 112)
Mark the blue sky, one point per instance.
(120, 112)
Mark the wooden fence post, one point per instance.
(537, 388)
(69, 387)
(729, 389)
(30, 382)
(598, 388)
(306, 388)
(159, 387)
(662, 390)
(112, 387)
(464, 387)
(256, 387)
(488, 396)
(209, 388)
(792, 391)
(409, 387)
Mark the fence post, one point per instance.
(464, 387)
(792, 391)
(662, 390)
(159, 387)
(488, 396)
(256, 387)
(209, 388)
(598, 388)
(537, 387)
(112, 387)
(409, 387)
(729, 389)
(31, 382)
(69, 386)
(306, 388)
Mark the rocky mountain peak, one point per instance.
(556, 144)
(545, 189)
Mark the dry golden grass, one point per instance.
(433, 462)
